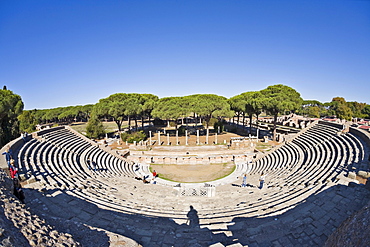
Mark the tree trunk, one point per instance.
(257, 125)
(119, 124)
(237, 120)
(274, 132)
(129, 124)
(250, 123)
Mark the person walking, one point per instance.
(244, 184)
(262, 180)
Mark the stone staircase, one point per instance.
(299, 175)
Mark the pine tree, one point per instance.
(95, 128)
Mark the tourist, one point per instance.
(262, 180)
(145, 179)
(18, 192)
(12, 169)
(94, 165)
(24, 137)
(137, 167)
(8, 155)
(154, 173)
(244, 184)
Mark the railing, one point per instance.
(204, 191)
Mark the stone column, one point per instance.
(207, 136)
(216, 138)
(168, 139)
(186, 137)
(197, 137)
(159, 137)
(177, 137)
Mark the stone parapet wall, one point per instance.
(185, 160)
(14, 145)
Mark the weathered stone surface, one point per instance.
(354, 231)
(352, 175)
(100, 208)
(363, 174)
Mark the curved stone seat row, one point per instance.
(323, 153)
(296, 170)
(63, 169)
(62, 156)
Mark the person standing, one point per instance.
(244, 184)
(18, 192)
(8, 156)
(262, 180)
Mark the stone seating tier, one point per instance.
(295, 171)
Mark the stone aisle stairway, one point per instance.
(303, 200)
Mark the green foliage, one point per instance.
(357, 109)
(218, 124)
(28, 121)
(212, 121)
(182, 131)
(313, 108)
(366, 111)
(209, 105)
(120, 106)
(171, 108)
(340, 108)
(278, 99)
(135, 136)
(94, 128)
(313, 111)
(11, 106)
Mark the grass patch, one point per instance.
(263, 146)
(108, 127)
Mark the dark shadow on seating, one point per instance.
(314, 218)
(309, 222)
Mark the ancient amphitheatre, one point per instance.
(310, 189)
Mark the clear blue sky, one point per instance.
(64, 52)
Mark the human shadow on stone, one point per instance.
(65, 211)
(308, 222)
(193, 218)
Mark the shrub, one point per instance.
(218, 124)
(94, 128)
(181, 130)
(135, 136)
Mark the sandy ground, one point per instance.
(193, 173)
